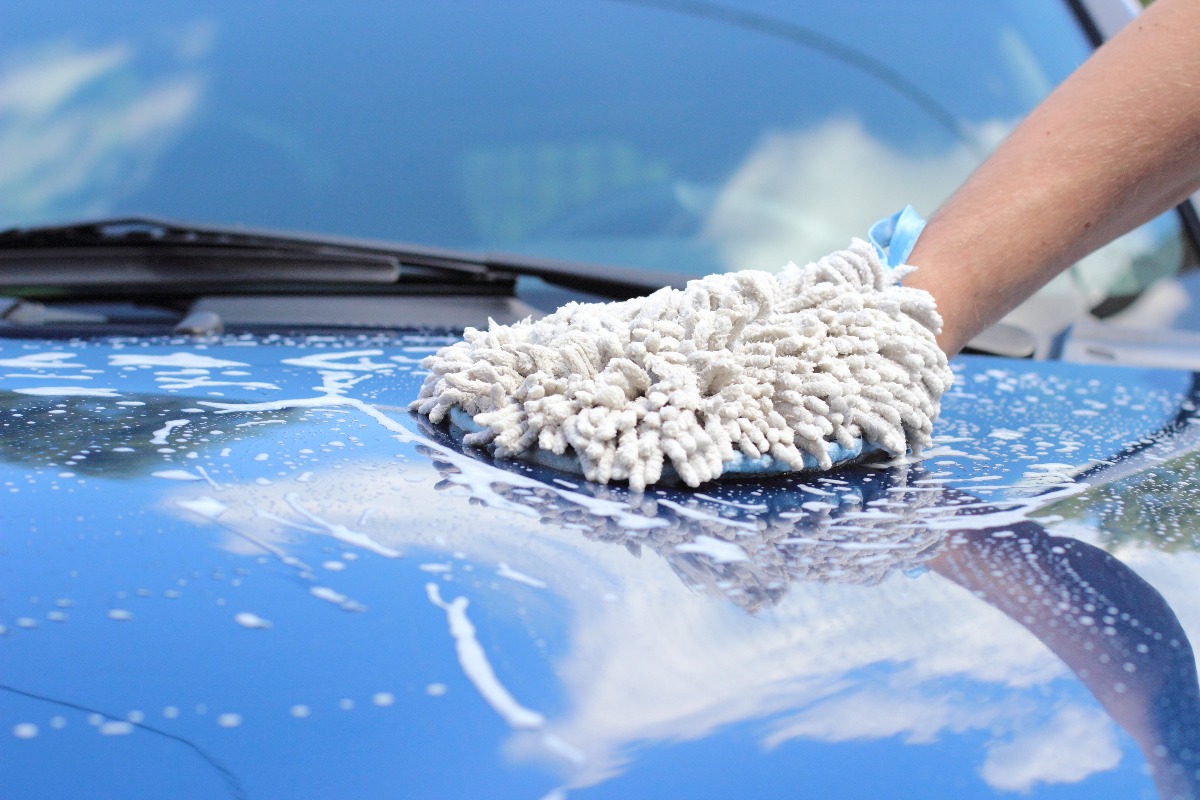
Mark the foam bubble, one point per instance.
(25, 730)
(248, 619)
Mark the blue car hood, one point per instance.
(241, 568)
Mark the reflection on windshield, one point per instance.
(726, 135)
(797, 195)
(82, 129)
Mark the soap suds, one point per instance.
(505, 571)
(475, 664)
(339, 531)
(160, 435)
(179, 359)
(25, 730)
(248, 619)
(784, 365)
(67, 391)
(176, 475)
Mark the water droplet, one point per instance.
(435, 689)
(25, 730)
(383, 699)
(119, 614)
(229, 720)
(249, 620)
(300, 711)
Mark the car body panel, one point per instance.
(238, 566)
(251, 567)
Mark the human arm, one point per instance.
(1116, 144)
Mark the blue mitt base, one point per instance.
(740, 467)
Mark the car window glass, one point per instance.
(696, 137)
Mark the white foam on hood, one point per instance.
(779, 364)
(474, 475)
(177, 475)
(341, 532)
(54, 360)
(248, 619)
(160, 435)
(505, 571)
(342, 360)
(184, 360)
(476, 666)
(67, 391)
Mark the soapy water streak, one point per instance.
(901, 537)
(781, 365)
(844, 540)
(476, 665)
(479, 478)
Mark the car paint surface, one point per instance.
(240, 567)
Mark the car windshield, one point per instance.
(692, 137)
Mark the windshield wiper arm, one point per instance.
(146, 252)
(152, 252)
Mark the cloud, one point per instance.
(82, 128)
(800, 194)
(41, 84)
(1075, 743)
(885, 711)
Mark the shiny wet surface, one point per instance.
(244, 569)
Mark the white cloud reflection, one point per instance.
(800, 194)
(1075, 743)
(82, 128)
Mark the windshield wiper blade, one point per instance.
(148, 251)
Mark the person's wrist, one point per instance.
(951, 338)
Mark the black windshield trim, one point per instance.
(146, 234)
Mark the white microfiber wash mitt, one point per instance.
(737, 374)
